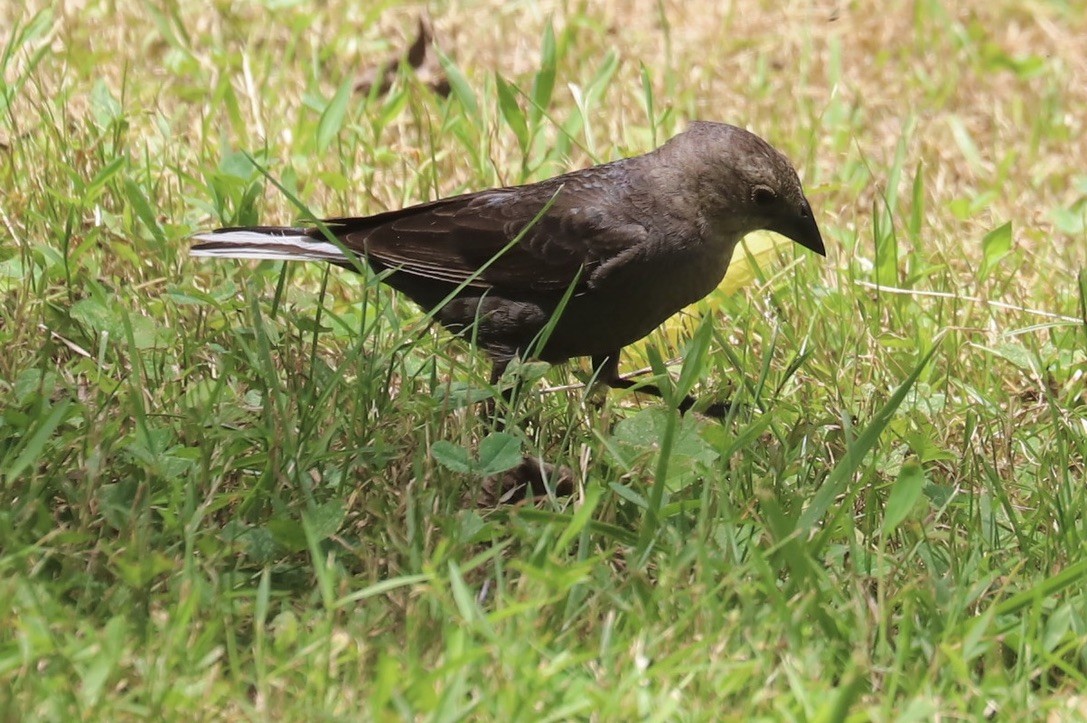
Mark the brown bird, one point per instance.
(626, 244)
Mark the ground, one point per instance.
(231, 490)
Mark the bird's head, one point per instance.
(744, 184)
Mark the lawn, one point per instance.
(263, 491)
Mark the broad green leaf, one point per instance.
(995, 246)
(288, 532)
(511, 111)
(694, 358)
(647, 98)
(331, 122)
(103, 177)
(325, 520)
(498, 452)
(104, 106)
(451, 456)
(544, 83)
(142, 207)
(582, 515)
(462, 596)
(36, 442)
(462, 89)
(917, 203)
(905, 494)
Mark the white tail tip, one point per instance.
(266, 246)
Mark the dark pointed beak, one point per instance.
(802, 229)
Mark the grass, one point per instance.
(252, 491)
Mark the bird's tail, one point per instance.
(276, 243)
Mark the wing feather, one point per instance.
(452, 239)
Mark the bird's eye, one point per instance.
(763, 195)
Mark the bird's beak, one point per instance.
(802, 229)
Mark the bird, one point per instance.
(578, 265)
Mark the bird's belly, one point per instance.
(630, 306)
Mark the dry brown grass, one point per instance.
(986, 102)
(774, 69)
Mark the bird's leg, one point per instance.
(532, 477)
(606, 369)
(508, 395)
(498, 368)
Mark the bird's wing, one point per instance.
(470, 238)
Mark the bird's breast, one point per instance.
(636, 299)
(682, 278)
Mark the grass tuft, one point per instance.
(249, 490)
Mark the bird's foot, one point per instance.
(715, 410)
